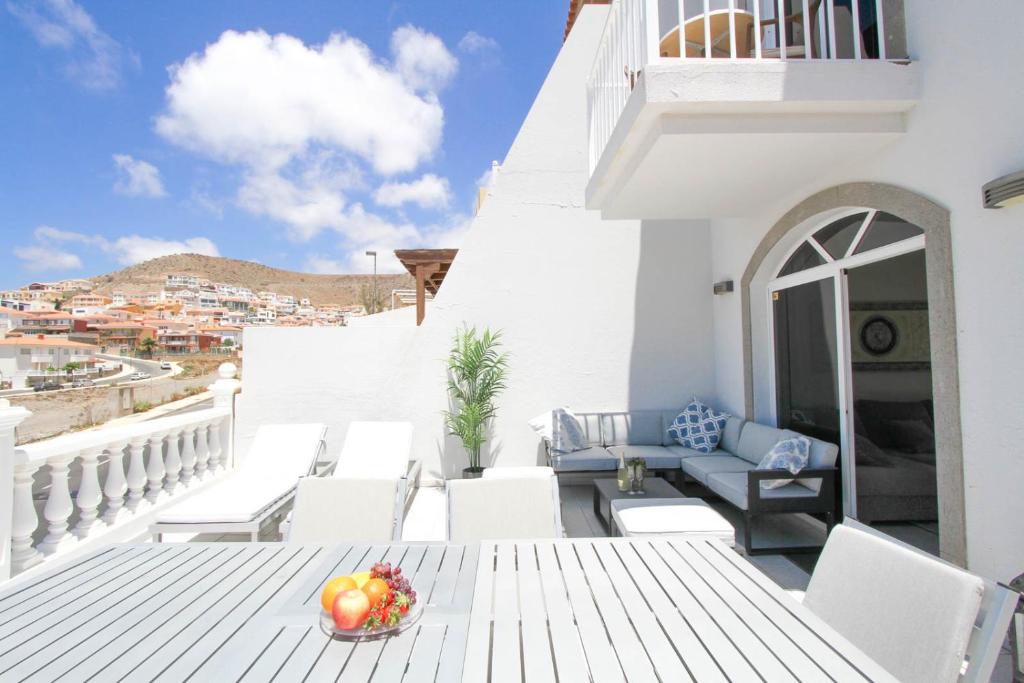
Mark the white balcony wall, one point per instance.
(74, 493)
(963, 132)
(596, 314)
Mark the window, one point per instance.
(851, 235)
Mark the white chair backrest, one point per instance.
(518, 472)
(329, 511)
(907, 610)
(288, 450)
(990, 626)
(500, 508)
(375, 449)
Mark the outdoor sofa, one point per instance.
(730, 471)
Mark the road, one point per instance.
(133, 364)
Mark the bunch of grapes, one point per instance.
(393, 577)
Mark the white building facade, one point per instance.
(840, 197)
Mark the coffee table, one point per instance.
(607, 490)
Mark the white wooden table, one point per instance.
(639, 609)
(575, 609)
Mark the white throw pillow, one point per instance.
(788, 454)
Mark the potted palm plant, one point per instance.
(476, 375)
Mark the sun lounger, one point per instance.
(264, 482)
(376, 450)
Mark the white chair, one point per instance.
(329, 511)
(916, 615)
(502, 508)
(263, 483)
(380, 450)
(518, 472)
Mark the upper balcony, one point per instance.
(746, 111)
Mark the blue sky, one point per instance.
(296, 134)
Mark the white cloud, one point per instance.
(262, 101)
(474, 43)
(422, 59)
(137, 178)
(305, 122)
(136, 249)
(39, 258)
(127, 250)
(95, 59)
(429, 192)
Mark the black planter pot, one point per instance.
(472, 472)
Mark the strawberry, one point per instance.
(402, 602)
(374, 621)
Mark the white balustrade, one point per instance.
(155, 470)
(636, 35)
(89, 494)
(202, 451)
(116, 485)
(165, 456)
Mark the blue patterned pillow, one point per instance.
(789, 454)
(698, 427)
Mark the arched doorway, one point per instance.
(850, 335)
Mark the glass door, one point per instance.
(806, 359)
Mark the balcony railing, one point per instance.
(643, 32)
(77, 491)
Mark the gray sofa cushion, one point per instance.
(732, 486)
(639, 427)
(591, 459)
(701, 468)
(823, 455)
(684, 452)
(756, 440)
(656, 457)
(731, 435)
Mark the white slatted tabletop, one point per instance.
(644, 609)
(228, 612)
(636, 609)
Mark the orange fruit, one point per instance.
(377, 590)
(333, 587)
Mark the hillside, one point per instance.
(149, 276)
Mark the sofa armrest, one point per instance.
(413, 475)
(824, 501)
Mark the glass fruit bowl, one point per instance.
(410, 618)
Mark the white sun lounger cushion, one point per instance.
(376, 449)
(279, 456)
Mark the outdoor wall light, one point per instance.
(1003, 192)
(723, 287)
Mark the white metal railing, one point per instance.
(642, 32)
(76, 490)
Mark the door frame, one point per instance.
(836, 270)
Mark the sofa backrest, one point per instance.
(731, 434)
(755, 441)
(632, 428)
(591, 424)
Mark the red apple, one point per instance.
(351, 608)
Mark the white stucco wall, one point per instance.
(596, 314)
(964, 132)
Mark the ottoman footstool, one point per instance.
(690, 517)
